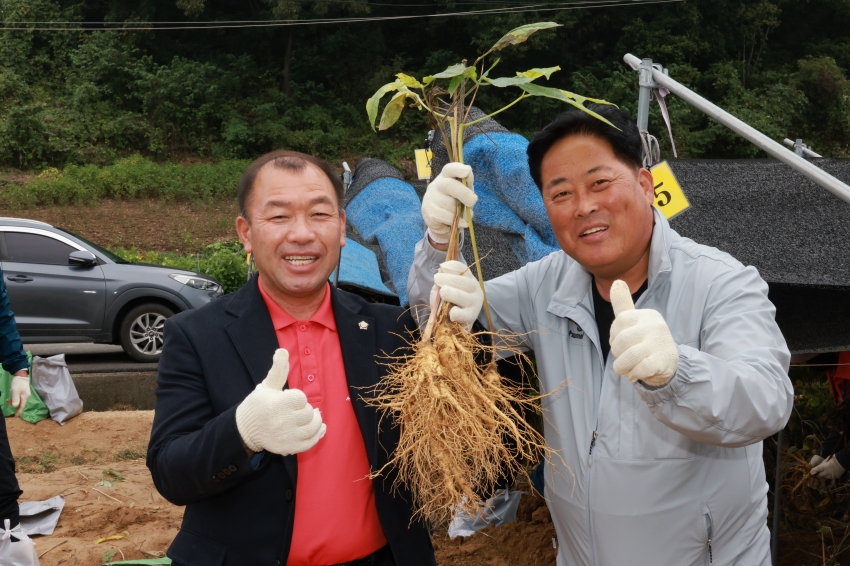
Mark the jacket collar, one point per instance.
(574, 288)
(252, 332)
(254, 337)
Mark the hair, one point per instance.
(625, 141)
(288, 161)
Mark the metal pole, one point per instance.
(746, 131)
(777, 484)
(645, 82)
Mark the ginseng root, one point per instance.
(461, 425)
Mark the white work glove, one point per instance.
(829, 469)
(281, 422)
(439, 202)
(815, 461)
(20, 393)
(641, 341)
(460, 287)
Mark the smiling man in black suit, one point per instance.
(261, 429)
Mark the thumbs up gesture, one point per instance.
(279, 421)
(641, 341)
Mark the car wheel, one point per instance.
(141, 332)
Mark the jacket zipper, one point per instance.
(592, 444)
(709, 528)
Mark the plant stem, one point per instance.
(521, 97)
(480, 274)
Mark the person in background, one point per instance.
(14, 360)
(261, 428)
(833, 457)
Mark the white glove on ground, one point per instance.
(279, 421)
(815, 460)
(641, 341)
(460, 287)
(20, 393)
(829, 469)
(439, 202)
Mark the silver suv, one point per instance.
(63, 288)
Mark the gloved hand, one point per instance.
(815, 460)
(460, 287)
(641, 341)
(829, 469)
(278, 421)
(439, 202)
(20, 393)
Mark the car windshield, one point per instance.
(114, 257)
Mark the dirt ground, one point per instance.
(73, 460)
(149, 225)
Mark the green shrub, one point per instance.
(223, 260)
(130, 178)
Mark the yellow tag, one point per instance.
(669, 197)
(248, 259)
(423, 163)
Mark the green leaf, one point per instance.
(454, 84)
(502, 82)
(372, 103)
(118, 477)
(428, 80)
(471, 73)
(107, 556)
(452, 71)
(392, 111)
(147, 561)
(521, 33)
(408, 81)
(537, 73)
(564, 96)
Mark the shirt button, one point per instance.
(288, 495)
(307, 351)
(310, 377)
(232, 467)
(303, 328)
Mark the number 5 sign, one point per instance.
(669, 197)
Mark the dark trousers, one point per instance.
(9, 490)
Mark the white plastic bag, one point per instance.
(20, 553)
(499, 509)
(40, 517)
(52, 380)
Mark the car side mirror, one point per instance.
(82, 258)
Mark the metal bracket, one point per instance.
(346, 176)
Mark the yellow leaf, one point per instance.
(104, 539)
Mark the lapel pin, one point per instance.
(363, 325)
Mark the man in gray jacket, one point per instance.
(665, 462)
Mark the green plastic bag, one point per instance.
(35, 409)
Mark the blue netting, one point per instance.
(388, 211)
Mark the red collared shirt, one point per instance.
(335, 516)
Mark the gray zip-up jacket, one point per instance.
(666, 476)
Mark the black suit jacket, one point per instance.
(212, 359)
